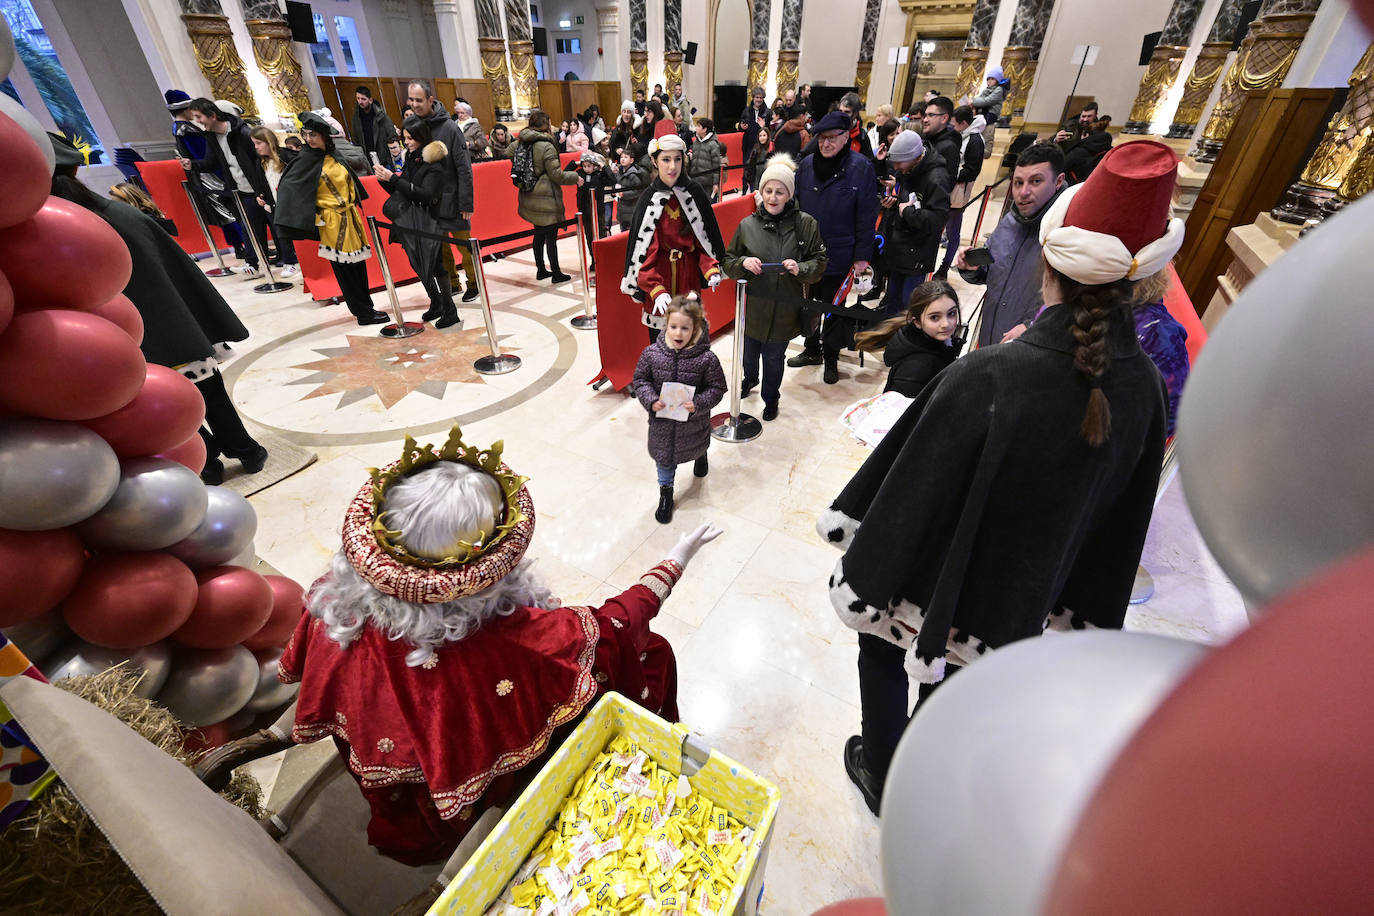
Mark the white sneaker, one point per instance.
(249, 272)
(290, 270)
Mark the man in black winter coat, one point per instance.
(915, 208)
(231, 156)
(453, 212)
(937, 132)
(970, 166)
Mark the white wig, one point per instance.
(433, 509)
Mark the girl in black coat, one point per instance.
(413, 194)
(917, 345)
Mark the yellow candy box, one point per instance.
(728, 804)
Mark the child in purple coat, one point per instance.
(682, 353)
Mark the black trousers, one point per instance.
(546, 248)
(352, 279)
(834, 334)
(883, 694)
(226, 435)
(257, 221)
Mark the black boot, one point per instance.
(701, 467)
(554, 270)
(868, 785)
(831, 375)
(664, 514)
(450, 312)
(435, 310)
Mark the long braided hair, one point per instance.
(1095, 308)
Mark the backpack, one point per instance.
(522, 167)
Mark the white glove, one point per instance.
(714, 281)
(661, 304)
(688, 545)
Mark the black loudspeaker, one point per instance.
(541, 42)
(300, 21)
(1247, 16)
(689, 54)
(1147, 47)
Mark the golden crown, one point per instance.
(415, 457)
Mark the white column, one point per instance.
(458, 37)
(157, 23)
(608, 34)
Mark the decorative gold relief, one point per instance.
(672, 68)
(863, 74)
(1159, 78)
(1262, 63)
(758, 67)
(787, 70)
(971, 69)
(639, 71)
(523, 76)
(493, 52)
(213, 44)
(1359, 177)
(272, 52)
(1198, 87)
(1019, 69)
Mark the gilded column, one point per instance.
(1022, 53)
(1359, 178)
(1165, 62)
(1211, 60)
(1313, 195)
(521, 44)
(672, 43)
(272, 53)
(975, 60)
(1261, 63)
(492, 48)
(759, 10)
(863, 70)
(213, 44)
(639, 48)
(789, 53)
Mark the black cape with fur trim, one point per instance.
(984, 517)
(645, 222)
(297, 191)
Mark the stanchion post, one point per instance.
(720, 194)
(497, 363)
(401, 328)
(273, 285)
(221, 270)
(587, 320)
(735, 426)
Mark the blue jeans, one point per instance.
(772, 353)
(954, 226)
(899, 287)
(666, 472)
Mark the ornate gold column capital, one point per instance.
(272, 53)
(672, 67)
(639, 71)
(1197, 88)
(523, 75)
(863, 75)
(1019, 69)
(758, 67)
(493, 54)
(1155, 84)
(971, 68)
(213, 44)
(787, 70)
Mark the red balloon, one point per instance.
(288, 604)
(859, 906)
(64, 257)
(1251, 788)
(120, 311)
(27, 178)
(67, 365)
(6, 303)
(232, 604)
(190, 453)
(167, 410)
(128, 600)
(37, 570)
(208, 736)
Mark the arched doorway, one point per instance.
(729, 23)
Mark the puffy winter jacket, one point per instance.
(791, 235)
(912, 234)
(542, 205)
(674, 442)
(845, 206)
(913, 359)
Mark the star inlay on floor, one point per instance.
(392, 369)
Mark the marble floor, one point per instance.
(767, 673)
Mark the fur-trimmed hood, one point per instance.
(434, 151)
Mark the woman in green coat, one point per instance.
(777, 233)
(542, 205)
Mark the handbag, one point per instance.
(960, 195)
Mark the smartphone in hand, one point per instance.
(978, 257)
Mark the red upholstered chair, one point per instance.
(319, 277)
(163, 180)
(734, 153)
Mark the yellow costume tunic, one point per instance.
(342, 237)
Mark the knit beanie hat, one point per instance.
(626, 104)
(597, 135)
(906, 146)
(782, 169)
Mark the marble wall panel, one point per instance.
(870, 33)
(1183, 16)
(488, 19)
(758, 26)
(791, 25)
(518, 20)
(980, 27)
(639, 26)
(672, 25)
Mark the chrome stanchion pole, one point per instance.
(497, 363)
(221, 270)
(735, 426)
(587, 320)
(273, 285)
(400, 328)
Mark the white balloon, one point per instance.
(206, 686)
(248, 558)
(993, 772)
(1276, 428)
(270, 693)
(31, 126)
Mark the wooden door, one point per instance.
(348, 99)
(329, 91)
(1271, 140)
(553, 98)
(581, 96)
(609, 97)
(478, 94)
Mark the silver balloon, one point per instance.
(270, 693)
(52, 473)
(80, 658)
(31, 127)
(228, 527)
(247, 558)
(1276, 428)
(158, 502)
(206, 686)
(39, 638)
(993, 772)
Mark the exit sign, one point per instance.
(579, 20)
